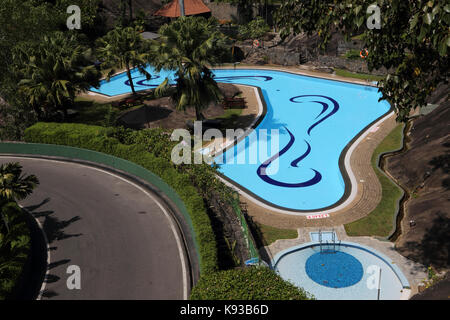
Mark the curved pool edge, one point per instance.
(401, 277)
(351, 185)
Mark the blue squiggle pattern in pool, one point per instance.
(262, 173)
(231, 78)
(324, 105)
(141, 82)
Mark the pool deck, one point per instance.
(414, 272)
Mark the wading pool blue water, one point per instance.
(316, 120)
(345, 271)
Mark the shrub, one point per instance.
(255, 29)
(251, 283)
(352, 54)
(14, 247)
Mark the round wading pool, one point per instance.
(345, 271)
(334, 269)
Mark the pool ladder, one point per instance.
(333, 243)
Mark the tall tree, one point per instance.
(413, 40)
(53, 72)
(124, 48)
(189, 46)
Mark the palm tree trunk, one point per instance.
(130, 7)
(130, 79)
(123, 12)
(199, 114)
(65, 114)
(5, 223)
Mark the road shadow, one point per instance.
(35, 273)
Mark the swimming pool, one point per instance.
(316, 121)
(351, 273)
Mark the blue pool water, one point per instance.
(315, 118)
(334, 270)
(351, 273)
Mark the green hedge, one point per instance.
(14, 247)
(102, 140)
(251, 283)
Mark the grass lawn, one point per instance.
(268, 235)
(380, 221)
(361, 76)
(95, 113)
(229, 118)
(91, 112)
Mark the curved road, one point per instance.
(121, 237)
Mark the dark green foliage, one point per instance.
(53, 72)
(14, 247)
(255, 29)
(149, 149)
(251, 283)
(413, 40)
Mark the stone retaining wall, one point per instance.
(285, 57)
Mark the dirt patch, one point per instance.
(163, 113)
(424, 170)
(439, 291)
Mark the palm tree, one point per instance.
(13, 185)
(53, 72)
(189, 46)
(124, 48)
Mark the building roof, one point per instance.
(191, 7)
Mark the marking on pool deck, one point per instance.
(318, 216)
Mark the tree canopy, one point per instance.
(189, 46)
(124, 48)
(53, 72)
(413, 41)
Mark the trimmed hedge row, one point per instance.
(251, 283)
(96, 138)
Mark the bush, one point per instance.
(148, 149)
(352, 54)
(14, 247)
(255, 29)
(251, 283)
